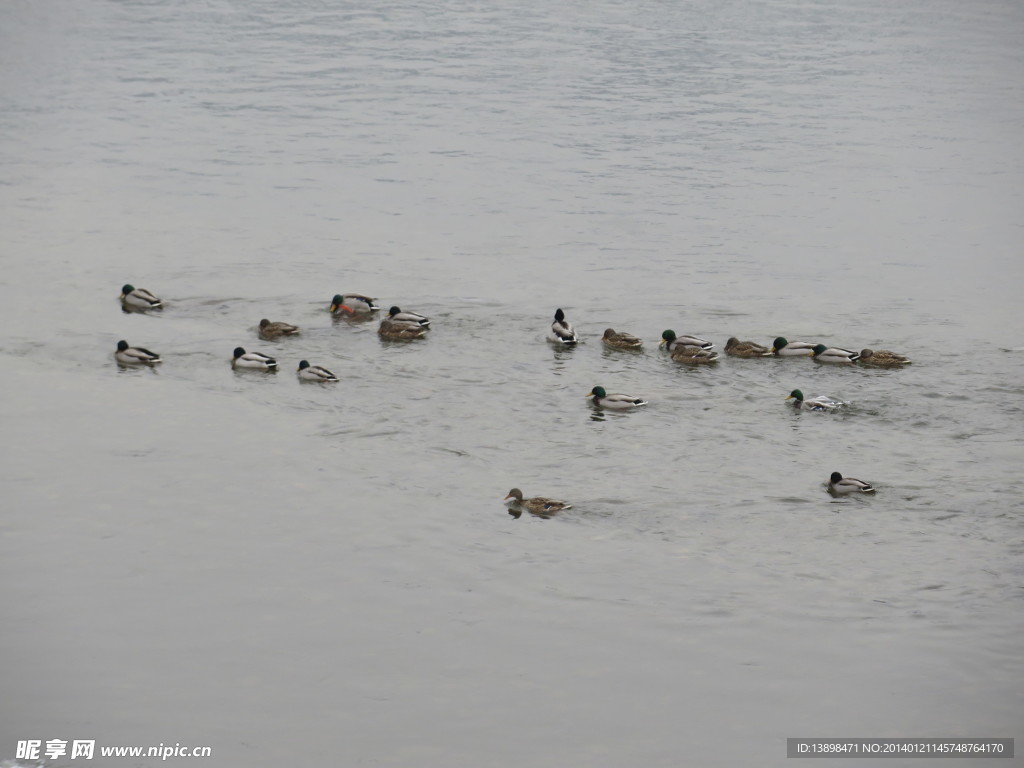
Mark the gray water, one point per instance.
(299, 574)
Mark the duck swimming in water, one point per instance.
(882, 358)
(270, 331)
(617, 340)
(538, 505)
(819, 403)
(617, 401)
(671, 342)
(309, 372)
(135, 355)
(255, 360)
(348, 304)
(138, 299)
(562, 331)
(738, 348)
(838, 355)
(783, 348)
(842, 485)
(397, 315)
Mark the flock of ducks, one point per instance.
(696, 351)
(396, 325)
(399, 324)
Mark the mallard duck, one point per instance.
(243, 359)
(349, 304)
(843, 485)
(138, 298)
(783, 348)
(389, 329)
(309, 372)
(135, 355)
(819, 403)
(738, 348)
(562, 331)
(399, 316)
(613, 338)
(538, 505)
(621, 402)
(694, 355)
(882, 358)
(671, 342)
(838, 355)
(269, 330)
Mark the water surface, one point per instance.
(293, 572)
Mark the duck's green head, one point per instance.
(122, 345)
(127, 288)
(559, 315)
(239, 351)
(598, 392)
(779, 343)
(393, 311)
(667, 336)
(303, 364)
(796, 394)
(836, 477)
(819, 348)
(336, 302)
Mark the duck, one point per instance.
(135, 355)
(269, 330)
(133, 298)
(694, 355)
(309, 372)
(243, 359)
(882, 358)
(738, 348)
(390, 329)
(819, 403)
(838, 355)
(618, 340)
(842, 485)
(538, 505)
(562, 331)
(783, 348)
(671, 342)
(398, 315)
(618, 401)
(349, 304)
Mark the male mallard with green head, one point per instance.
(837, 355)
(783, 348)
(135, 355)
(617, 401)
(254, 360)
(398, 316)
(671, 342)
(838, 484)
(562, 331)
(819, 403)
(349, 304)
(138, 299)
(309, 372)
